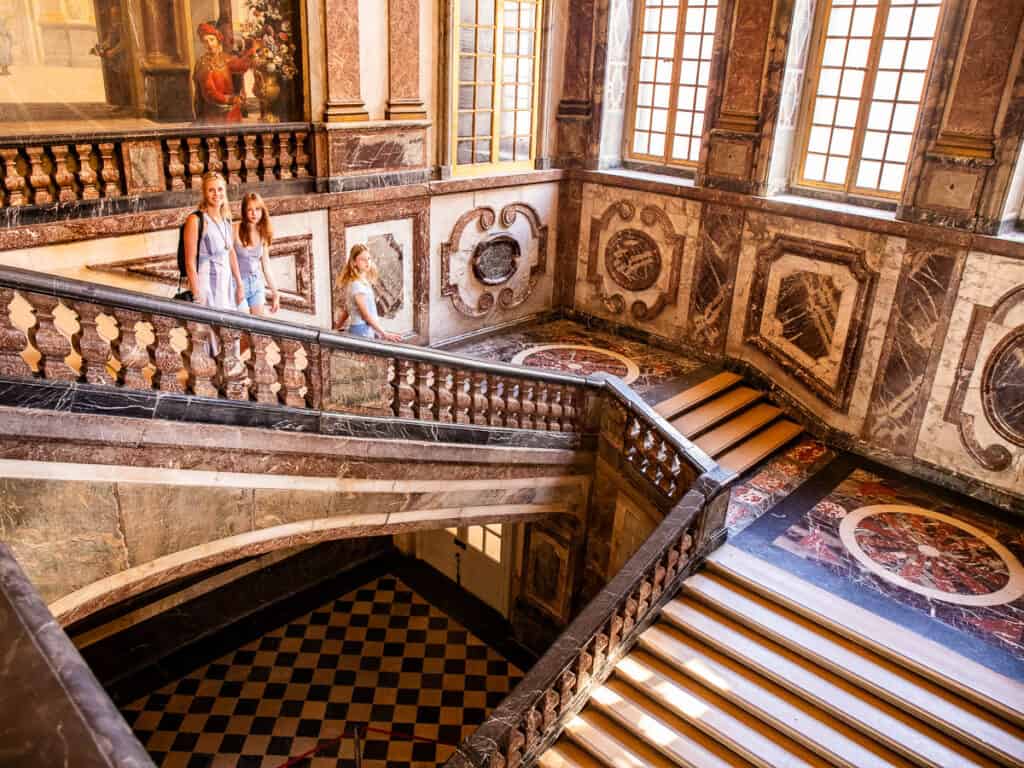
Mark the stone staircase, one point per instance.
(749, 666)
(730, 421)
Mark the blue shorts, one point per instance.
(362, 329)
(255, 291)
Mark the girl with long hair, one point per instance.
(210, 261)
(253, 236)
(359, 316)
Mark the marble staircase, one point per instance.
(745, 668)
(730, 421)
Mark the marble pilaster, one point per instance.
(405, 100)
(344, 96)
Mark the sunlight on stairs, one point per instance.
(730, 421)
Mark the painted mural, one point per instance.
(131, 64)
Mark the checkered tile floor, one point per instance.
(380, 656)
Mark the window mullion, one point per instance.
(867, 93)
(673, 95)
(811, 87)
(634, 80)
(497, 76)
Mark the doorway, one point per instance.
(476, 557)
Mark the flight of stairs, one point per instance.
(730, 421)
(734, 674)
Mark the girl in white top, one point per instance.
(252, 246)
(359, 315)
(212, 265)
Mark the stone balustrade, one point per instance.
(41, 171)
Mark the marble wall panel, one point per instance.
(376, 149)
(623, 235)
(458, 303)
(714, 277)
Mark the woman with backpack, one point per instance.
(209, 245)
(252, 247)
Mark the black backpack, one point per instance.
(186, 295)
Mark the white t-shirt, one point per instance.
(355, 288)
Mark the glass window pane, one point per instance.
(475, 537)
(493, 548)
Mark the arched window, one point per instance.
(672, 43)
(496, 56)
(862, 98)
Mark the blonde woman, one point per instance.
(210, 260)
(252, 247)
(359, 316)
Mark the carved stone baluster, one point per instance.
(53, 345)
(569, 399)
(670, 469)
(671, 564)
(496, 760)
(512, 405)
(132, 353)
(13, 181)
(568, 687)
(405, 395)
(94, 348)
(495, 400)
(600, 650)
(202, 366)
(614, 632)
(314, 371)
(109, 171)
(643, 599)
(232, 370)
(685, 544)
(234, 159)
(424, 392)
(284, 155)
(478, 400)
(195, 162)
(541, 407)
(169, 361)
(175, 166)
(269, 156)
(516, 742)
(462, 396)
(301, 158)
(445, 396)
(251, 162)
(554, 408)
(264, 374)
(658, 582)
(584, 667)
(527, 406)
(629, 616)
(62, 175)
(38, 178)
(293, 379)
(533, 728)
(86, 174)
(12, 341)
(550, 709)
(213, 161)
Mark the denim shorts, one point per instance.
(362, 329)
(255, 291)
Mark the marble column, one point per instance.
(579, 107)
(405, 102)
(743, 99)
(972, 119)
(341, 29)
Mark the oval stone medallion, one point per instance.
(495, 259)
(1002, 388)
(633, 259)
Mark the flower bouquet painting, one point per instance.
(275, 48)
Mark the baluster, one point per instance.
(284, 155)
(512, 404)
(234, 159)
(658, 582)
(263, 373)
(213, 161)
(629, 616)
(569, 409)
(232, 370)
(496, 761)
(301, 158)
(314, 369)
(533, 723)
(175, 166)
(94, 348)
(251, 162)
(132, 354)
(62, 175)
(202, 366)
(600, 650)
(684, 547)
(13, 181)
(424, 392)
(584, 665)
(293, 380)
(527, 406)
(404, 392)
(670, 471)
(516, 742)
(169, 361)
(109, 171)
(478, 400)
(38, 178)
(495, 400)
(550, 709)
(445, 396)
(269, 157)
(195, 162)
(86, 175)
(672, 563)
(643, 599)
(13, 340)
(554, 408)
(614, 633)
(540, 420)
(53, 345)
(462, 396)
(568, 685)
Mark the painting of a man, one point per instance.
(217, 101)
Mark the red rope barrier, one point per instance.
(321, 746)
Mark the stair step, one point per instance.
(923, 698)
(674, 738)
(900, 731)
(612, 744)
(771, 704)
(565, 754)
(734, 430)
(714, 411)
(698, 393)
(992, 691)
(717, 718)
(760, 446)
